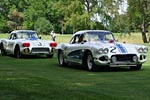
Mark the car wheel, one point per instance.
(50, 56)
(137, 67)
(90, 63)
(3, 51)
(61, 58)
(17, 52)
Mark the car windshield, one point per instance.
(27, 35)
(99, 36)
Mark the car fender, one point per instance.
(62, 46)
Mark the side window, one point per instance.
(75, 39)
(82, 39)
(10, 37)
(19, 36)
(108, 37)
(14, 36)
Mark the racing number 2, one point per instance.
(113, 49)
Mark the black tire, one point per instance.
(138, 67)
(61, 60)
(50, 56)
(17, 52)
(3, 51)
(90, 62)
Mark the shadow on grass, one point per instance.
(31, 57)
(102, 68)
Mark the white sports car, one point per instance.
(26, 42)
(95, 48)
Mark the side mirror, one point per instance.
(124, 42)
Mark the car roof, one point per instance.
(86, 31)
(22, 31)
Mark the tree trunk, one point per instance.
(144, 37)
(74, 29)
(143, 28)
(62, 27)
(148, 26)
(144, 33)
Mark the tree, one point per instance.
(38, 9)
(139, 14)
(73, 15)
(4, 10)
(108, 11)
(65, 9)
(43, 26)
(67, 16)
(35, 10)
(15, 20)
(90, 8)
(7, 9)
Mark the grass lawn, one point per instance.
(42, 79)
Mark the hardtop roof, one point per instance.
(86, 31)
(23, 31)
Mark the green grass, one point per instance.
(4, 35)
(42, 79)
(134, 38)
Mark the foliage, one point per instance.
(42, 25)
(34, 11)
(141, 17)
(62, 14)
(3, 26)
(69, 16)
(15, 20)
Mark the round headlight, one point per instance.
(140, 50)
(114, 59)
(100, 51)
(105, 51)
(145, 50)
(135, 58)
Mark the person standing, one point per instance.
(52, 34)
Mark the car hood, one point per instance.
(119, 48)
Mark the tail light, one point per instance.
(26, 44)
(53, 44)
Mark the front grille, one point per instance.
(124, 58)
(40, 50)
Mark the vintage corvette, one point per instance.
(26, 42)
(95, 48)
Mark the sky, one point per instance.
(123, 7)
(122, 10)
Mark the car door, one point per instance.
(10, 43)
(74, 49)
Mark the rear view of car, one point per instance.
(26, 42)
